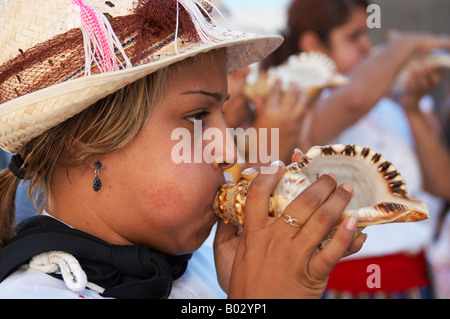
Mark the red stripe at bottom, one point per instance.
(388, 274)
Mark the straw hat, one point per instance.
(57, 57)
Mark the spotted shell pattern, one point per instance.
(380, 193)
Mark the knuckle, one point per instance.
(343, 196)
(310, 198)
(329, 260)
(328, 180)
(326, 218)
(257, 189)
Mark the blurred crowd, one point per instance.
(403, 124)
(406, 123)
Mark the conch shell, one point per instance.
(310, 71)
(433, 59)
(380, 194)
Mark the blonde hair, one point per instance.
(104, 127)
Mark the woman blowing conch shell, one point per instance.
(91, 92)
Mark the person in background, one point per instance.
(280, 111)
(439, 251)
(360, 113)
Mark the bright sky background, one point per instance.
(251, 4)
(259, 16)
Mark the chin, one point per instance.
(195, 241)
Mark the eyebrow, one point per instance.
(216, 96)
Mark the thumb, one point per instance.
(225, 246)
(225, 232)
(250, 173)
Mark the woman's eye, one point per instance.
(197, 117)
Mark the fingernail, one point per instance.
(333, 176)
(278, 164)
(298, 151)
(249, 172)
(275, 167)
(365, 237)
(272, 168)
(228, 177)
(351, 223)
(348, 186)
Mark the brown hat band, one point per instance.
(61, 58)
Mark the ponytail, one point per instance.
(8, 186)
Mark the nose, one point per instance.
(226, 156)
(366, 44)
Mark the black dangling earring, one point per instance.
(97, 183)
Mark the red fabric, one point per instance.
(396, 272)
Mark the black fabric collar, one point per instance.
(133, 271)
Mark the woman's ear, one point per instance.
(310, 41)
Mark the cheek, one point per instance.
(168, 203)
(344, 52)
(347, 59)
(164, 203)
(174, 216)
(176, 202)
(150, 195)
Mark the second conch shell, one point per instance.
(310, 71)
(439, 59)
(380, 193)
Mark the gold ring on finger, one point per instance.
(291, 221)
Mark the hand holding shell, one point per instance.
(380, 193)
(310, 71)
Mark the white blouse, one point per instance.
(199, 281)
(386, 130)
